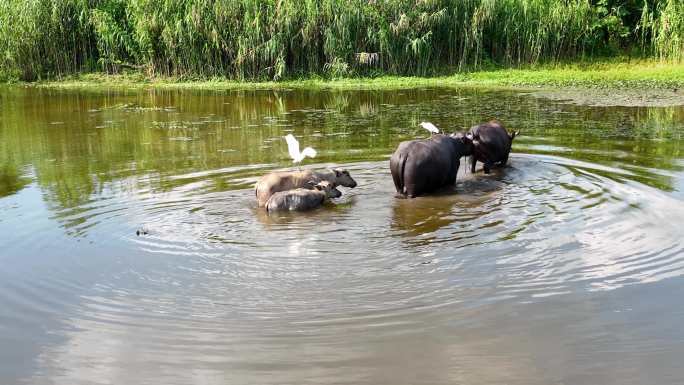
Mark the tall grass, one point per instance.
(275, 39)
(665, 25)
(45, 38)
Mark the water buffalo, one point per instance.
(288, 180)
(491, 144)
(424, 166)
(302, 199)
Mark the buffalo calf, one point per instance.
(302, 199)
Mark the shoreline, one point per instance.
(602, 84)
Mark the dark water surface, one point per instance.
(565, 268)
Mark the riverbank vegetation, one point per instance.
(635, 75)
(262, 40)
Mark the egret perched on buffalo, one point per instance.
(430, 127)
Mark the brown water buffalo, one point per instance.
(424, 166)
(289, 180)
(302, 199)
(491, 144)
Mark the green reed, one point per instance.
(275, 39)
(665, 24)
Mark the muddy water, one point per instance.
(566, 267)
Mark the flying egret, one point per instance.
(293, 149)
(430, 127)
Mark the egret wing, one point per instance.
(310, 152)
(292, 146)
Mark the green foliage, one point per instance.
(666, 24)
(43, 38)
(114, 34)
(276, 39)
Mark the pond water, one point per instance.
(565, 267)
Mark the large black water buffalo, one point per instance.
(491, 144)
(423, 166)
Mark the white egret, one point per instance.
(430, 127)
(293, 149)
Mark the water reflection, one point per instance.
(79, 142)
(423, 216)
(11, 180)
(536, 273)
(329, 213)
(420, 219)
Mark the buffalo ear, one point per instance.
(338, 173)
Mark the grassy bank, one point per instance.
(281, 39)
(642, 75)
